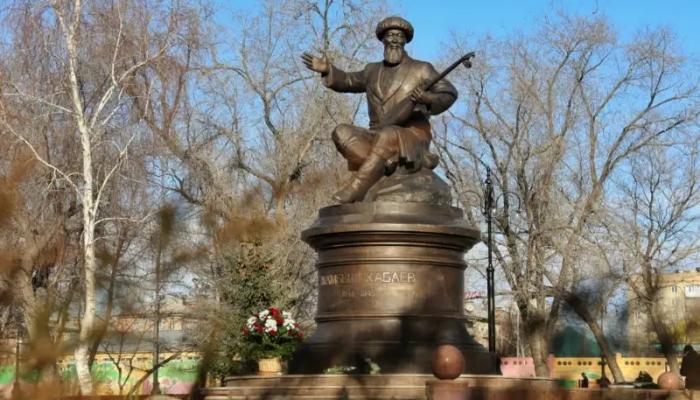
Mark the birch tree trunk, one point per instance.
(85, 196)
(90, 190)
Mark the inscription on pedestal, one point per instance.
(407, 288)
(367, 277)
(364, 284)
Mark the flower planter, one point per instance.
(270, 366)
(271, 335)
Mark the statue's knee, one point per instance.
(341, 134)
(387, 138)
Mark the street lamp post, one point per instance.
(490, 279)
(490, 203)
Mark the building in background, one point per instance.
(507, 323)
(679, 298)
(476, 314)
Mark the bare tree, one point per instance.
(41, 220)
(246, 130)
(236, 129)
(654, 228)
(555, 114)
(94, 53)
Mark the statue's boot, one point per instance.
(368, 174)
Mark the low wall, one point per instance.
(439, 390)
(568, 369)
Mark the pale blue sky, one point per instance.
(434, 20)
(499, 17)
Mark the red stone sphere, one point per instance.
(448, 362)
(669, 381)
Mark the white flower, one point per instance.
(289, 323)
(251, 322)
(271, 325)
(286, 315)
(263, 314)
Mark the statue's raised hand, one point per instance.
(320, 65)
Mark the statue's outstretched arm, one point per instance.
(335, 78)
(316, 64)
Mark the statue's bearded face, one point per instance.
(394, 41)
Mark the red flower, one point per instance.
(276, 315)
(245, 331)
(258, 328)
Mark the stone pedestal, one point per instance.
(391, 284)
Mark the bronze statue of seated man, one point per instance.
(395, 137)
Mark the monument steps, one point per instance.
(320, 392)
(328, 396)
(306, 397)
(379, 387)
(331, 379)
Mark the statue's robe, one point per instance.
(386, 86)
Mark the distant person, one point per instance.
(644, 377)
(604, 382)
(644, 381)
(584, 380)
(690, 368)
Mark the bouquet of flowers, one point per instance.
(272, 333)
